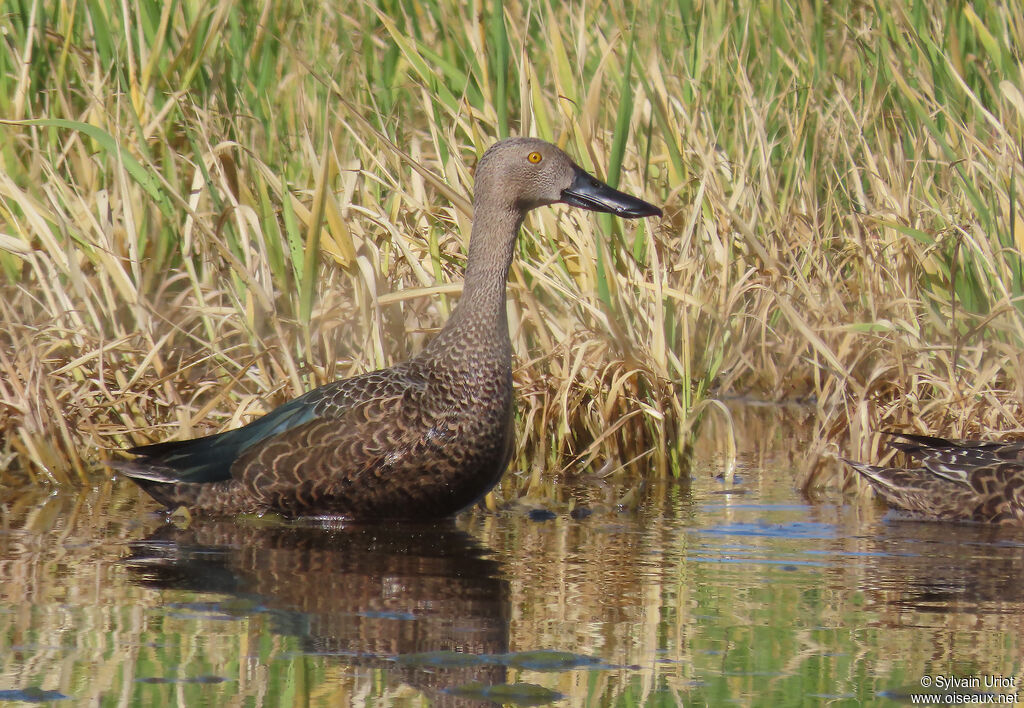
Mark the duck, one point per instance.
(959, 480)
(421, 440)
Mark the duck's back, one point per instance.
(413, 441)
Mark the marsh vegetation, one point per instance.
(206, 209)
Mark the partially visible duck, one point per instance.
(959, 480)
(423, 439)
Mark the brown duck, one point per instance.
(960, 480)
(423, 439)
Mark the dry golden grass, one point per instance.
(204, 212)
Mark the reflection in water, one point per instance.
(962, 569)
(369, 594)
(712, 592)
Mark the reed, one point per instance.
(207, 209)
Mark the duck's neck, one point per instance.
(477, 332)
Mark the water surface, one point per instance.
(710, 593)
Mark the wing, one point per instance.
(372, 456)
(211, 458)
(961, 461)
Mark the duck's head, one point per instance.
(528, 172)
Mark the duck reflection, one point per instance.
(955, 569)
(368, 594)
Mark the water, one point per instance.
(723, 593)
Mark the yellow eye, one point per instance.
(535, 157)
